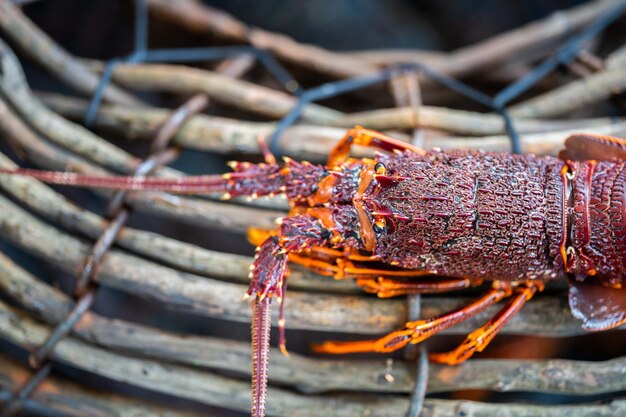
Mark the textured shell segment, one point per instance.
(471, 214)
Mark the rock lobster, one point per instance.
(412, 221)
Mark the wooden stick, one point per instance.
(184, 256)
(56, 60)
(584, 92)
(14, 89)
(60, 397)
(203, 132)
(310, 374)
(242, 94)
(548, 143)
(200, 18)
(192, 211)
(517, 44)
(212, 389)
(543, 137)
(459, 121)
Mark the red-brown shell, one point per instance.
(476, 214)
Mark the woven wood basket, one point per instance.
(149, 320)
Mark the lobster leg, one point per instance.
(366, 137)
(480, 338)
(327, 255)
(333, 262)
(597, 147)
(386, 287)
(417, 331)
(344, 269)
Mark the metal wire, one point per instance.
(141, 53)
(85, 287)
(563, 55)
(337, 88)
(420, 356)
(421, 384)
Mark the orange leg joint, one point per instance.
(420, 330)
(370, 138)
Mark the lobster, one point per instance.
(413, 222)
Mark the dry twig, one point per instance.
(221, 88)
(212, 389)
(193, 211)
(522, 44)
(181, 255)
(56, 60)
(310, 375)
(204, 132)
(58, 397)
(584, 92)
(215, 134)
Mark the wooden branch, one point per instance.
(56, 60)
(59, 397)
(543, 137)
(184, 256)
(242, 94)
(616, 58)
(528, 41)
(516, 45)
(200, 18)
(69, 135)
(226, 135)
(192, 293)
(182, 382)
(225, 392)
(192, 211)
(203, 132)
(548, 143)
(310, 374)
(14, 89)
(389, 56)
(583, 92)
(511, 49)
(459, 121)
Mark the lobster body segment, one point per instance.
(472, 214)
(598, 221)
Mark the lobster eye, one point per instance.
(380, 168)
(379, 226)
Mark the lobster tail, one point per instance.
(247, 180)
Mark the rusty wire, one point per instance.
(406, 93)
(85, 286)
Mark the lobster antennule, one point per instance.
(248, 180)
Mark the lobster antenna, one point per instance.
(187, 184)
(232, 184)
(261, 326)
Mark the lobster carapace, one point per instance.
(411, 221)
